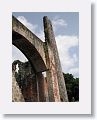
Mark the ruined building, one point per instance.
(41, 78)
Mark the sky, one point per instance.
(66, 30)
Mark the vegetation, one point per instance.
(72, 85)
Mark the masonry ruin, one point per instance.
(41, 78)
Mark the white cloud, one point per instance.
(75, 57)
(58, 22)
(29, 25)
(41, 35)
(32, 27)
(74, 71)
(18, 55)
(68, 62)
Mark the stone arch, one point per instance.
(33, 48)
(43, 56)
(29, 50)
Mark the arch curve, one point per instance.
(29, 44)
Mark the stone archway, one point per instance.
(43, 56)
(34, 90)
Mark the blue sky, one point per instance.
(71, 18)
(66, 29)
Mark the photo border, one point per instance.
(84, 104)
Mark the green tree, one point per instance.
(72, 86)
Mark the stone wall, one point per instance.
(30, 85)
(16, 91)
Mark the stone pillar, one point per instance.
(57, 89)
(40, 87)
(46, 89)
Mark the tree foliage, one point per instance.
(72, 86)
